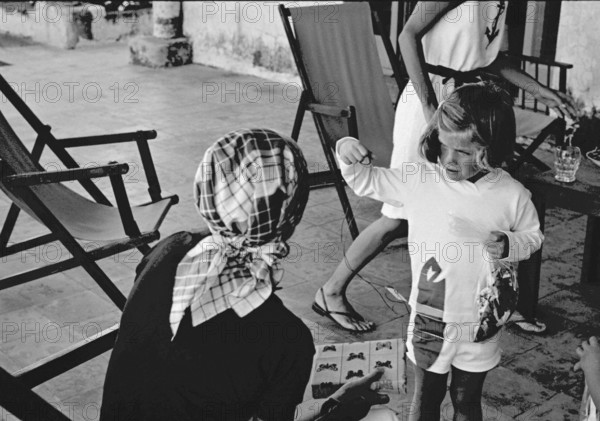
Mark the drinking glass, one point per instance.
(566, 162)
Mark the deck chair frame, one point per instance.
(15, 389)
(308, 103)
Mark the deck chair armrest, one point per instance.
(329, 110)
(107, 139)
(46, 177)
(539, 60)
(141, 137)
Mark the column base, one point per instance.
(150, 51)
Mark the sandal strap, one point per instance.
(324, 302)
(353, 314)
(343, 313)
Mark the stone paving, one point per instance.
(93, 90)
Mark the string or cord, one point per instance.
(370, 283)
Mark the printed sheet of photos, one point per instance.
(336, 364)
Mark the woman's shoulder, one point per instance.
(171, 248)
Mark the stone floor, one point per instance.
(93, 89)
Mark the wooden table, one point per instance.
(582, 196)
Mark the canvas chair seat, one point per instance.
(87, 220)
(83, 218)
(91, 221)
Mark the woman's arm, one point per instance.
(562, 103)
(419, 23)
(349, 403)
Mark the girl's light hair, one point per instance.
(482, 113)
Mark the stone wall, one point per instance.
(120, 26)
(62, 25)
(579, 44)
(245, 37)
(47, 22)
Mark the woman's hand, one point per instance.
(352, 151)
(563, 104)
(362, 388)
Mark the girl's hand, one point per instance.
(497, 245)
(563, 104)
(589, 357)
(351, 151)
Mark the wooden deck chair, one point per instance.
(69, 217)
(534, 120)
(335, 50)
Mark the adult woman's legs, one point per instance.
(366, 246)
(465, 392)
(430, 390)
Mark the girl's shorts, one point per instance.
(436, 346)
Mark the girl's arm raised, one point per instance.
(383, 184)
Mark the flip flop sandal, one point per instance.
(531, 326)
(527, 325)
(325, 312)
(351, 310)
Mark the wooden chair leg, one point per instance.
(590, 268)
(25, 404)
(299, 116)
(144, 249)
(9, 225)
(530, 270)
(100, 277)
(341, 191)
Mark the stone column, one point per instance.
(166, 47)
(167, 19)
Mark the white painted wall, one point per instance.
(53, 23)
(48, 22)
(245, 37)
(579, 44)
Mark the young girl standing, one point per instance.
(469, 136)
(443, 44)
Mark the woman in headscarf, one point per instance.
(203, 336)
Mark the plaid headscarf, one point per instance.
(251, 189)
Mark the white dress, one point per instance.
(468, 37)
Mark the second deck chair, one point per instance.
(335, 50)
(69, 217)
